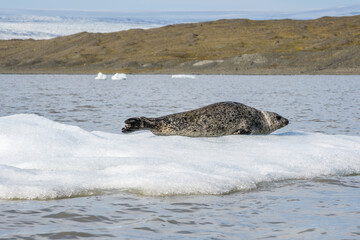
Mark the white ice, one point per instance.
(183, 76)
(100, 76)
(43, 159)
(119, 76)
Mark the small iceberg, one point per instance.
(54, 160)
(100, 76)
(119, 76)
(183, 76)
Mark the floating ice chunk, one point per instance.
(100, 76)
(183, 76)
(119, 76)
(43, 159)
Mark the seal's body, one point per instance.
(218, 119)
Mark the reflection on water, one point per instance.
(325, 208)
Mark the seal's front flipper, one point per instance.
(242, 132)
(135, 124)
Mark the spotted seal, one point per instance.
(218, 119)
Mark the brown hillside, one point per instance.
(240, 46)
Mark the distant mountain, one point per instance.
(41, 24)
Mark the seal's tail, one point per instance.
(135, 124)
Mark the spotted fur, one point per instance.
(218, 119)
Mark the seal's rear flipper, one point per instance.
(134, 124)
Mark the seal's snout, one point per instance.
(286, 121)
(281, 120)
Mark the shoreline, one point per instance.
(177, 71)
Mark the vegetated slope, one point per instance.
(240, 46)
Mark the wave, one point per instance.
(43, 159)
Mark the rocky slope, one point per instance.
(323, 46)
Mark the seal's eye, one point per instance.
(278, 118)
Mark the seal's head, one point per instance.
(275, 121)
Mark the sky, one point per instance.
(178, 5)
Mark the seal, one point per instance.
(218, 119)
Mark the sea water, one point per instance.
(67, 171)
